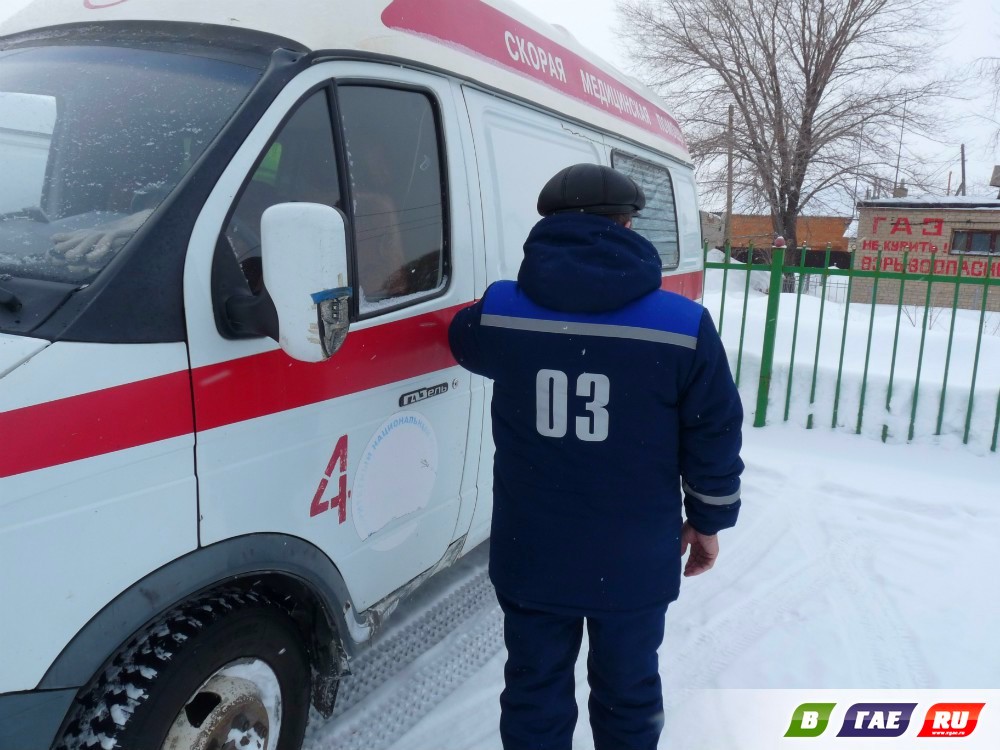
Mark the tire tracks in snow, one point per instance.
(737, 623)
(834, 564)
(888, 638)
(873, 628)
(873, 631)
(731, 632)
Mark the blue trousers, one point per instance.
(538, 705)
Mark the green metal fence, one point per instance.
(899, 399)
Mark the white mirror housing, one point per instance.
(304, 260)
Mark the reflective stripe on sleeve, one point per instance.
(590, 329)
(709, 499)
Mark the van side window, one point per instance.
(395, 172)
(657, 222)
(299, 166)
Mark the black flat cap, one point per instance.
(591, 188)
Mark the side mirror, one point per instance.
(304, 259)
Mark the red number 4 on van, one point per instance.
(338, 501)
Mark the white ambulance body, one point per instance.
(232, 236)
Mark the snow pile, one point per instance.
(895, 418)
(735, 279)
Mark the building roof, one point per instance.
(963, 202)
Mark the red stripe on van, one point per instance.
(686, 284)
(126, 416)
(488, 33)
(95, 423)
(251, 387)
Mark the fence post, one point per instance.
(743, 318)
(725, 277)
(770, 333)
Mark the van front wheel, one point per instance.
(222, 672)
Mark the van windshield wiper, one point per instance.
(9, 300)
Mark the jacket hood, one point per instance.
(587, 263)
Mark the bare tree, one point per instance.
(820, 87)
(989, 71)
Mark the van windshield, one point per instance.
(92, 139)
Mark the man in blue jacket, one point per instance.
(608, 395)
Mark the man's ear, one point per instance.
(628, 224)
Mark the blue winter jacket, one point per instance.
(608, 392)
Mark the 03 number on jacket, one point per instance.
(552, 400)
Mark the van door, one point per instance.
(689, 227)
(362, 455)
(517, 150)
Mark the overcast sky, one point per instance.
(975, 33)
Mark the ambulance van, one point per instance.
(232, 236)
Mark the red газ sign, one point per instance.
(488, 33)
(944, 266)
(921, 236)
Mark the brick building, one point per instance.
(950, 233)
(816, 232)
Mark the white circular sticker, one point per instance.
(396, 473)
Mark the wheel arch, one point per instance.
(315, 592)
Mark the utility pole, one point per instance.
(963, 171)
(948, 190)
(857, 174)
(899, 153)
(728, 235)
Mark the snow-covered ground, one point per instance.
(855, 564)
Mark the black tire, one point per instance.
(133, 703)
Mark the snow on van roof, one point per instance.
(495, 42)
